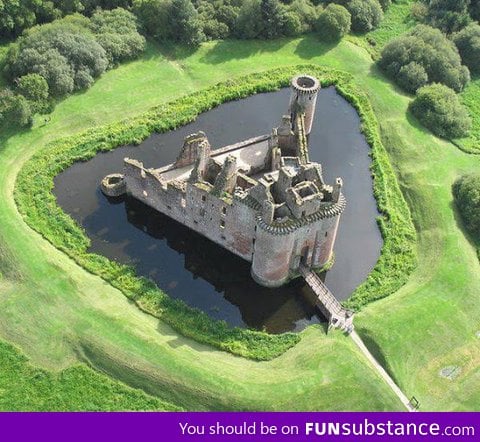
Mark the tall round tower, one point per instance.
(303, 98)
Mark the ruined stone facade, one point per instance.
(261, 199)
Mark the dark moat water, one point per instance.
(204, 275)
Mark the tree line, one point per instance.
(204, 19)
(62, 46)
(53, 60)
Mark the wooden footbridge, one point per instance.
(337, 315)
(341, 318)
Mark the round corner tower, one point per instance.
(304, 97)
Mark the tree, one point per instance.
(57, 51)
(17, 15)
(429, 48)
(306, 12)
(217, 17)
(475, 9)
(185, 26)
(273, 18)
(90, 6)
(468, 44)
(412, 76)
(154, 16)
(466, 191)
(292, 25)
(448, 15)
(249, 23)
(366, 14)
(14, 109)
(333, 23)
(35, 89)
(50, 64)
(438, 108)
(117, 33)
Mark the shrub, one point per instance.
(429, 48)
(438, 108)
(468, 45)
(466, 191)
(333, 23)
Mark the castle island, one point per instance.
(262, 199)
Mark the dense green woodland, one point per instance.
(205, 18)
(63, 47)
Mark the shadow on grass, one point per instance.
(377, 73)
(375, 350)
(310, 47)
(227, 50)
(415, 122)
(471, 238)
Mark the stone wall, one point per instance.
(277, 256)
(226, 221)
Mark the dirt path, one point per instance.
(405, 401)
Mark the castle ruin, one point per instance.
(262, 198)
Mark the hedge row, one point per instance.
(35, 200)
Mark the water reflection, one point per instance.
(204, 275)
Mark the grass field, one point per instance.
(471, 98)
(397, 20)
(59, 315)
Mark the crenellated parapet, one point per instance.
(259, 198)
(303, 98)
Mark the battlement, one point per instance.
(305, 84)
(261, 198)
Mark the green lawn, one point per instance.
(397, 20)
(58, 314)
(471, 98)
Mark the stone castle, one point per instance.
(262, 198)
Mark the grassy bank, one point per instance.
(36, 202)
(78, 388)
(110, 333)
(59, 314)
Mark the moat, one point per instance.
(206, 276)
